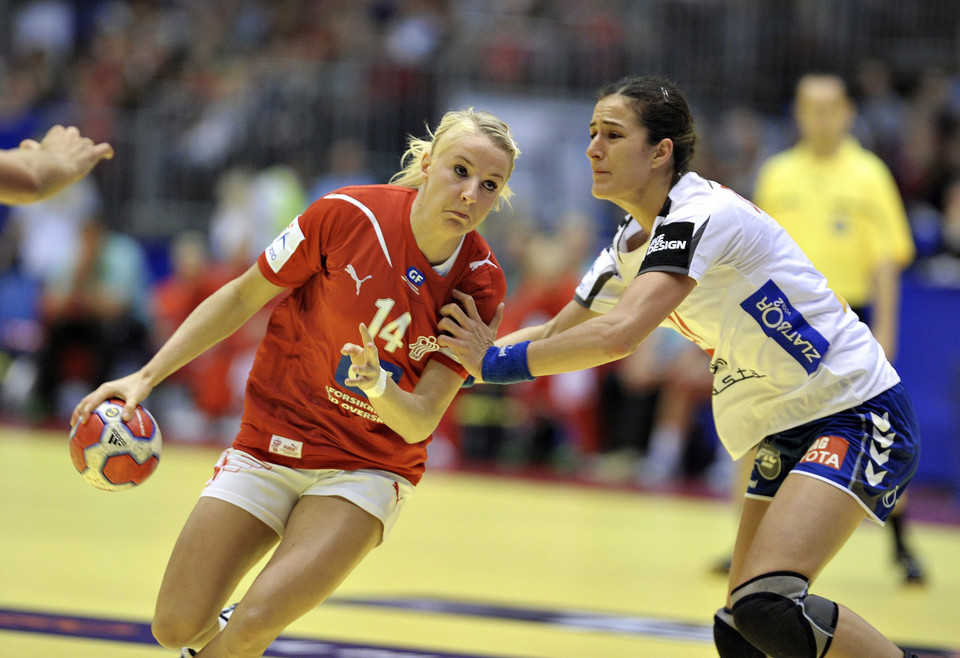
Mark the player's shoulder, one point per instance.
(370, 196)
(695, 198)
(377, 203)
(696, 202)
(478, 263)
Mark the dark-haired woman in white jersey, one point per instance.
(795, 373)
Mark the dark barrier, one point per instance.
(929, 363)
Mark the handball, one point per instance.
(111, 454)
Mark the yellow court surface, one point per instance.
(476, 566)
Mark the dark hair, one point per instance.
(662, 109)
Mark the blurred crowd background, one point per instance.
(228, 117)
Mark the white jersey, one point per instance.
(784, 348)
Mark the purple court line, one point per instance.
(293, 647)
(139, 633)
(648, 627)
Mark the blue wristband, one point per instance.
(506, 365)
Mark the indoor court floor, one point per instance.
(478, 566)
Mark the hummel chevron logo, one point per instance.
(882, 433)
(873, 477)
(879, 457)
(882, 424)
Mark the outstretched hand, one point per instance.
(364, 361)
(77, 154)
(466, 333)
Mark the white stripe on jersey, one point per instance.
(370, 216)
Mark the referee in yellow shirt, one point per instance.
(840, 203)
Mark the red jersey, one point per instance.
(351, 257)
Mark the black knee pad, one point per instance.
(775, 614)
(729, 642)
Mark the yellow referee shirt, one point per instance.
(845, 212)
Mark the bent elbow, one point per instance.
(417, 435)
(618, 343)
(418, 432)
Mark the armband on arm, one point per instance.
(506, 364)
(377, 389)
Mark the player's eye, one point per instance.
(460, 170)
(490, 185)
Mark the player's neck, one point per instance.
(645, 205)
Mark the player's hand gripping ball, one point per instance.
(111, 454)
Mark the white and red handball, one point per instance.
(111, 454)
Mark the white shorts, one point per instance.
(269, 491)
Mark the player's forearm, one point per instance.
(604, 338)
(569, 316)
(535, 332)
(586, 345)
(414, 417)
(216, 318)
(22, 178)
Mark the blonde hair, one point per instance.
(453, 124)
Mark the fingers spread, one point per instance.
(365, 336)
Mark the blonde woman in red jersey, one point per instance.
(336, 420)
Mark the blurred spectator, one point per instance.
(251, 210)
(655, 401)
(841, 204)
(882, 112)
(551, 420)
(733, 148)
(347, 164)
(944, 267)
(37, 240)
(415, 31)
(559, 422)
(199, 394)
(931, 132)
(951, 221)
(44, 26)
(94, 309)
(48, 233)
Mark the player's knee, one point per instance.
(729, 642)
(775, 613)
(173, 629)
(252, 628)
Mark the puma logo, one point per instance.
(353, 274)
(486, 261)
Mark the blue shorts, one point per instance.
(870, 450)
